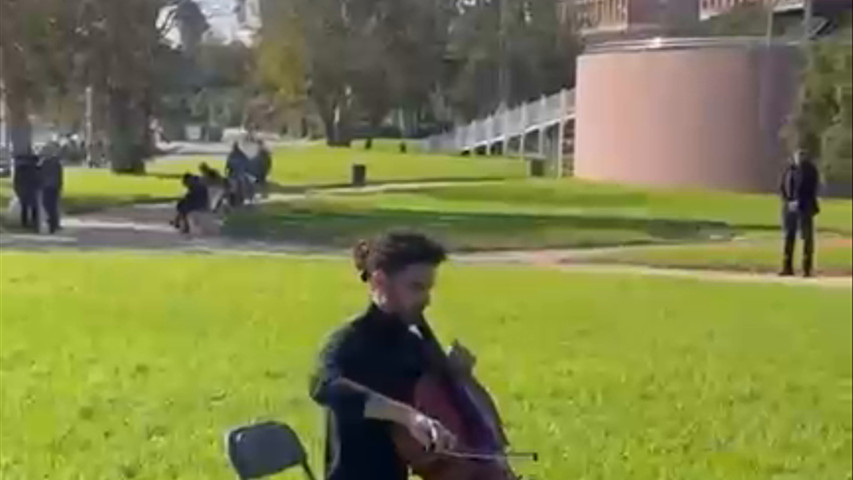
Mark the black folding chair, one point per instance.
(265, 449)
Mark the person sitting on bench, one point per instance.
(196, 199)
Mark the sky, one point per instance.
(223, 21)
(220, 14)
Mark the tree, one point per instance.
(56, 48)
(822, 120)
(34, 37)
(315, 60)
(524, 38)
(358, 61)
(192, 24)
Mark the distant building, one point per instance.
(613, 18)
(248, 15)
(710, 8)
(625, 19)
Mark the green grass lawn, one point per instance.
(567, 197)
(834, 256)
(88, 189)
(529, 214)
(132, 366)
(341, 221)
(320, 165)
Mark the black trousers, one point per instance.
(50, 201)
(803, 223)
(29, 203)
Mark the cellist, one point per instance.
(369, 368)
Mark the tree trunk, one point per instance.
(328, 117)
(126, 134)
(16, 92)
(20, 129)
(335, 121)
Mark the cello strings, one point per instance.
(489, 456)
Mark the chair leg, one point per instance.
(308, 472)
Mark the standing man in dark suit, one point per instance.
(26, 182)
(799, 190)
(51, 173)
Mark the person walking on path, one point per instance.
(51, 175)
(799, 192)
(261, 166)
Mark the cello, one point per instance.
(462, 405)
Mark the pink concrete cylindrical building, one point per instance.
(685, 113)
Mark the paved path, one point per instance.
(146, 228)
(116, 237)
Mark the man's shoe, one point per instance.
(786, 273)
(807, 274)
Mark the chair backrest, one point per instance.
(265, 449)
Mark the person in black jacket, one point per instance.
(799, 192)
(369, 368)
(51, 174)
(26, 184)
(261, 166)
(196, 199)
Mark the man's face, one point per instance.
(798, 157)
(407, 292)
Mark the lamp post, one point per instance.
(808, 13)
(771, 17)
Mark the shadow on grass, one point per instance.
(468, 231)
(276, 187)
(542, 197)
(90, 204)
(169, 176)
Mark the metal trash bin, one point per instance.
(359, 174)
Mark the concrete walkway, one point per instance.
(146, 228)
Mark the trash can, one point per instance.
(537, 167)
(359, 174)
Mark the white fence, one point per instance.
(501, 126)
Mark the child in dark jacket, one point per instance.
(195, 199)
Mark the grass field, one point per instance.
(87, 189)
(530, 214)
(320, 165)
(128, 366)
(762, 255)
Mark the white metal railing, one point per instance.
(712, 9)
(503, 125)
(662, 43)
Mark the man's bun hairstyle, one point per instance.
(393, 251)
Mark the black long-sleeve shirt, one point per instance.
(51, 173)
(380, 352)
(801, 183)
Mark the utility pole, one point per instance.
(808, 14)
(4, 127)
(90, 125)
(771, 17)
